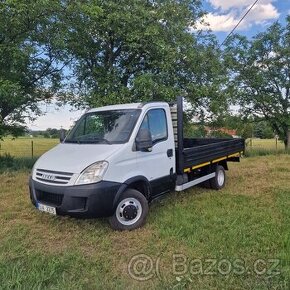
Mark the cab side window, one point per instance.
(155, 121)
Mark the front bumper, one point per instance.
(83, 201)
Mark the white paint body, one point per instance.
(124, 161)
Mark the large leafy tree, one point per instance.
(30, 64)
(260, 73)
(117, 51)
(126, 51)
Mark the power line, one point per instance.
(248, 11)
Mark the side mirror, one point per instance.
(61, 135)
(144, 140)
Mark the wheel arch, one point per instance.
(140, 183)
(224, 164)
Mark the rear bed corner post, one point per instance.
(180, 159)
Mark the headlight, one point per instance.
(94, 173)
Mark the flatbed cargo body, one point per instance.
(195, 153)
(200, 152)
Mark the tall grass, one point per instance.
(264, 152)
(10, 163)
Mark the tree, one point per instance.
(260, 76)
(246, 131)
(263, 130)
(30, 64)
(129, 51)
(114, 52)
(194, 131)
(53, 133)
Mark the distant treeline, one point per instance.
(48, 133)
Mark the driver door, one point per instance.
(157, 165)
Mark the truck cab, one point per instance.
(118, 158)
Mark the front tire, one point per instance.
(131, 211)
(219, 181)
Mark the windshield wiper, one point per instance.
(88, 140)
(97, 140)
(72, 141)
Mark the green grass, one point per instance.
(264, 152)
(11, 163)
(264, 147)
(16, 154)
(247, 220)
(270, 144)
(22, 147)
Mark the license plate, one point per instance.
(46, 208)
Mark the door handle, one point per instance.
(170, 152)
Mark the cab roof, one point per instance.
(128, 106)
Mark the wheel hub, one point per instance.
(130, 212)
(221, 178)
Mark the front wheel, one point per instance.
(218, 182)
(131, 211)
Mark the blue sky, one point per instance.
(222, 16)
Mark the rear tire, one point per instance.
(131, 211)
(219, 181)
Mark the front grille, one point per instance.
(51, 198)
(53, 177)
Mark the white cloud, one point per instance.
(229, 13)
(217, 22)
(238, 4)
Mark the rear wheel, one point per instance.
(131, 211)
(218, 182)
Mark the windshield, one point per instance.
(104, 127)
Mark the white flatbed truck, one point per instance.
(118, 158)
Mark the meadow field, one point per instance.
(264, 144)
(22, 147)
(236, 238)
